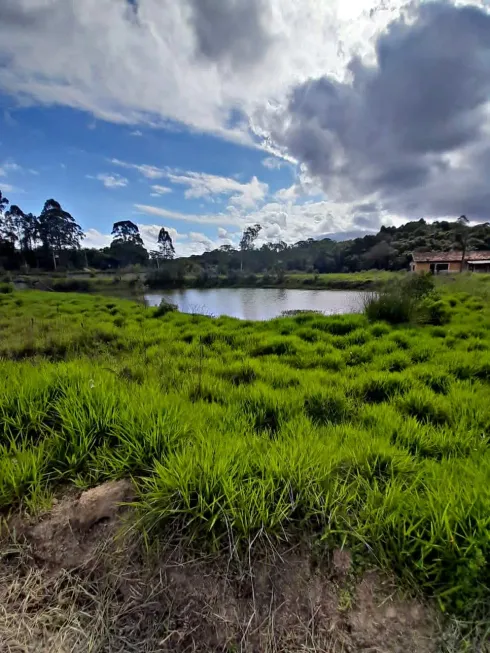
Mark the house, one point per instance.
(448, 262)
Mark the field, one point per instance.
(350, 433)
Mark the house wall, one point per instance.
(454, 266)
(422, 267)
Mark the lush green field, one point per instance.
(349, 432)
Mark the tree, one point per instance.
(166, 245)
(13, 225)
(248, 238)
(58, 230)
(127, 247)
(462, 236)
(3, 203)
(127, 232)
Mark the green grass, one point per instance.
(353, 433)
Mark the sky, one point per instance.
(313, 118)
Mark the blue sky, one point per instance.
(103, 172)
(205, 116)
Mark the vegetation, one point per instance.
(53, 240)
(348, 430)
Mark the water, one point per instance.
(258, 303)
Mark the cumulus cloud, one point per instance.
(95, 239)
(413, 128)
(199, 62)
(376, 105)
(201, 185)
(208, 186)
(111, 181)
(234, 33)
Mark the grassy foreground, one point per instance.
(357, 434)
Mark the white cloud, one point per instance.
(9, 167)
(232, 69)
(201, 239)
(288, 194)
(190, 62)
(8, 188)
(150, 172)
(202, 185)
(160, 190)
(217, 219)
(136, 132)
(207, 186)
(273, 163)
(95, 239)
(111, 181)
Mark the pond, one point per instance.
(258, 303)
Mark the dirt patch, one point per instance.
(74, 586)
(74, 529)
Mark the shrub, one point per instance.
(164, 308)
(400, 302)
(72, 285)
(251, 279)
(6, 288)
(390, 306)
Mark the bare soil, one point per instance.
(70, 583)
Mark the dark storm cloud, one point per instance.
(390, 129)
(370, 222)
(367, 207)
(234, 32)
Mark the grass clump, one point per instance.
(377, 388)
(366, 436)
(328, 407)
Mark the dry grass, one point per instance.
(128, 599)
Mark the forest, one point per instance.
(53, 240)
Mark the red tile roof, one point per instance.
(448, 257)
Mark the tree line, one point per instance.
(53, 239)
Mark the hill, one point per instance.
(389, 249)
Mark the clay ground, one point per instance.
(71, 583)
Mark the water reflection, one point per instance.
(258, 303)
